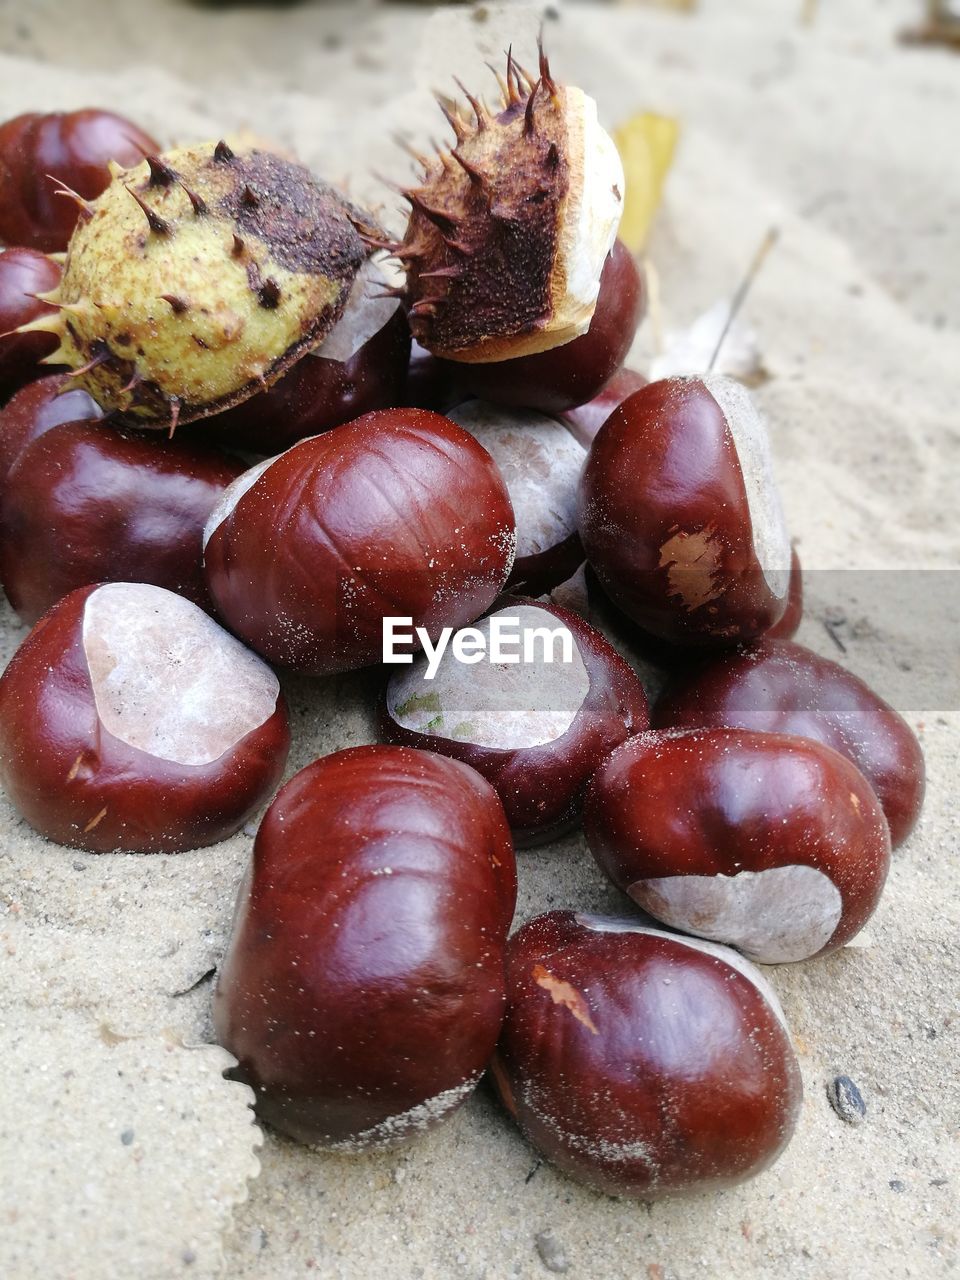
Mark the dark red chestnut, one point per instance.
(575, 372)
(85, 504)
(130, 721)
(642, 1063)
(430, 382)
(360, 366)
(780, 687)
(401, 513)
(39, 152)
(680, 515)
(541, 463)
(585, 420)
(24, 273)
(536, 728)
(362, 988)
(772, 844)
(35, 409)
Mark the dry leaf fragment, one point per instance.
(646, 143)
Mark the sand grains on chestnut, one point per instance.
(640, 1062)
(680, 515)
(362, 987)
(769, 843)
(400, 513)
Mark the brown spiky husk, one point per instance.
(481, 246)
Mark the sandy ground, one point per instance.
(124, 1152)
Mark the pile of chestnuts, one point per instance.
(446, 435)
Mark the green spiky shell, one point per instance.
(198, 277)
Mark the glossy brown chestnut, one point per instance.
(643, 1063)
(535, 730)
(585, 420)
(680, 515)
(555, 380)
(23, 274)
(35, 409)
(130, 721)
(362, 988)
(541, 463)
(398, 514)
(772, 844)
(38, 152)
(84, 504)
(360, 366)
(779, 687)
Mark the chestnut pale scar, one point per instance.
(563, 993)
(692, 560)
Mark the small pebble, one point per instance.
(846, 1100)
(552, 1253)
(126, 1137)
(188, 1256)
(897, 1185)
(78, 865)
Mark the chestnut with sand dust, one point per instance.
(362, 987)
(130, 721)
(680, 515)
(780, 687)
(642, 1063)
(400, 513)
(772, 844)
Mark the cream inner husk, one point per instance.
(167, 679)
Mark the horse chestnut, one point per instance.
(130, 721)
(362, 990)
(400, 513)
(642, 1063)
(24, 273)
(38, 153)
(35, 409)
(780, 687)
(541, 463)
(773, 844)
(83, 504)
(536, 730)
(680, 515)
(572, 374)
(361, 365)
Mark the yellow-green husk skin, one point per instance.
(197, 279)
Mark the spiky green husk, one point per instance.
(199, 277)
